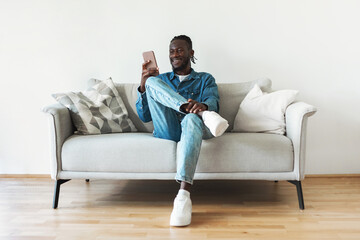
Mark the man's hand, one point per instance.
(146, 73)
(194, 107)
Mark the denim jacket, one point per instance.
(199, 86)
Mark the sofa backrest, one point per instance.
(231, 95)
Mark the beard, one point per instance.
(182, 66)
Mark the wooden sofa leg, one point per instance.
(299, 193)
(57, 191)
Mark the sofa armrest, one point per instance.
(61, 127)
(296, 123)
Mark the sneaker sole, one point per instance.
(179, 224)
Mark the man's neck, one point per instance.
(186, 71)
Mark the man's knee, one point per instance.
(192, 121)
(152, 81)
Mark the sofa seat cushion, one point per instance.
(246, 152)
(118, 152)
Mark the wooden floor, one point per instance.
(108, 209)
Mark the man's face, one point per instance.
(180, 55)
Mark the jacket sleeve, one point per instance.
(142, 107)
(210, 95)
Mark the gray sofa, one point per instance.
(139, 155)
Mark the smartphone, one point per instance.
(150, 56)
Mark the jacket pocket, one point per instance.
(193, 94)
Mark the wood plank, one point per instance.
(113, 209)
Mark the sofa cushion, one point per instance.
(263, 112)
(128, 92)
(97, 110)
(232, 94)
(118, 152)
(246, 152)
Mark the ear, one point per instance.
(192, 53)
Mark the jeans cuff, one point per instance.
(183, 179)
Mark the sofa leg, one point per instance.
(299, 193)
(57, 191)
(87, 180)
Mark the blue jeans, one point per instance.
(172, 124)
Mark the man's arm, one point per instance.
(146, 73)
(142, 106)
(210, 95)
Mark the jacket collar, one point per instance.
(192, 75)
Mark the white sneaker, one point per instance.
(216, 124)
(181, 214)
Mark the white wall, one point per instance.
(49, 46)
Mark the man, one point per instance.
(182, 105)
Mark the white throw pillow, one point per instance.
(263, 112)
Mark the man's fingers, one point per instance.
(198, 110)
(188, 107)
(195, 107)
(145, 64)
(145, 74)
(150, 72)
(153, 70)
